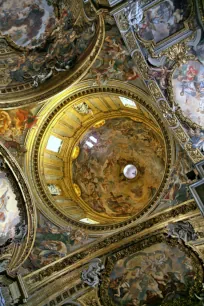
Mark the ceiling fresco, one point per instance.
(114, 61)
(101, 130)
(155, 275)
(9, 211)
(14, 125)
(52, 243)
(188, 88)
(98, 170)
(27, 22)
(155, 271)
(42, 39)
(178, 188)
(163, 20)
(17, 212)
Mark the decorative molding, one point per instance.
(46, 275)
(32, 169)
(18, 252)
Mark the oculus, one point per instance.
(130, 171)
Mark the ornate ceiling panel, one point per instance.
(68, 189)
(104, 153)
(44, 42)
(155, 271)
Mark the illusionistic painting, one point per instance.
(157, 274)
(164, 20)
(53, 243)
(98, 170)
(188, 88)
(9, 212)
(47, 30)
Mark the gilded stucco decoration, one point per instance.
(172, 67)
(105, 245)
(71, 205)
(17, 213)
(139, 107)
(45, 46)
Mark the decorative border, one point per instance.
(155, 49)
(178, 53)
(33, 159)
(19, 253)
(141, 245)
(45, 275)
(28, 97)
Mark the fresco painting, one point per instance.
(155, 275)
(47, 29)
(188, 88)
(14, 125)
(114, 61)
(9, 212)
(178, 188)
(98, 170)
(163, 20)
(27, 22)
(53, 243)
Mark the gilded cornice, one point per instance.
(104, 246)
(49, 112)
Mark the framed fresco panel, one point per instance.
(188, 90)
(165, 22)
(154, 271)
(197, 190)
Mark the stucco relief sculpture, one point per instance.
(135, 14)
(201, 296)
(91, 276)
(182, 230)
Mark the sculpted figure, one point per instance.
(135, 13)
(41, 77)
(201, 297)
(182, 230)
(91, 276)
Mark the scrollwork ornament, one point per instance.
(194, 153)
(155, 90)
(141, 64)
(181, 134)
(179, 53)
(168, 114)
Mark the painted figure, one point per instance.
(163, 20)
(188, 88)
(156, 275)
